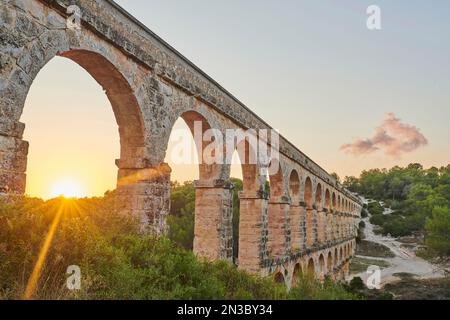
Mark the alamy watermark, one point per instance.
(374, 277)
(73, 281)
(374, 17)
(73, 20)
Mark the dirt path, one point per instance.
(405, 261)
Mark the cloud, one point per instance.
(393, 137)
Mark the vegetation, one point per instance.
(419, 197)
(181, 217)
(359, 265)
(358, 287)
(310, 289)
(409, 288)
(438, 227)
(373, 249)
(116, 261)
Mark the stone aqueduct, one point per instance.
(306, 223)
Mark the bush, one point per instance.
(375, 208)
(310, 289)
(364, 213)
(378, 220)
(357, 284)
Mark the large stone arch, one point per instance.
(310, 213)
(253, 181)
(279, 278)
(319, 215)
(327, 200)
(308, 192)
(318, 197)
(336, 258)
(207, 134)
(296, 212)
(325, 218)
(330, 263)
(129, 89)
(296, 274)
(278, 210)
(277, 180)
(294, 186)
(321, 267)
(311, 269)
(101, 65)
(333, 202)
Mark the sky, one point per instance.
(349, 97)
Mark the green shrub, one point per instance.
(375, 208)
(310, 289)
(357, 284)
(378, 220)
(364, 213)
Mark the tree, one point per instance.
(336, 176)
(352, 184)
(438, 230)
(181, 217)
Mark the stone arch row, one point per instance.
(331, 262)
(317, 212)
(302, 211)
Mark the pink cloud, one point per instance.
(392, 136)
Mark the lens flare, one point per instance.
(69, 188)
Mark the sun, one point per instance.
(69, 188)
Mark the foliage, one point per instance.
(413, 192)
(373, 249)
(375, 208)
(181, 217)
(336, 176)
(357, 284)
(310, 289)
(357, 287)
(364, 213)
(438, 230)
(359, 264)
(116, 260)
